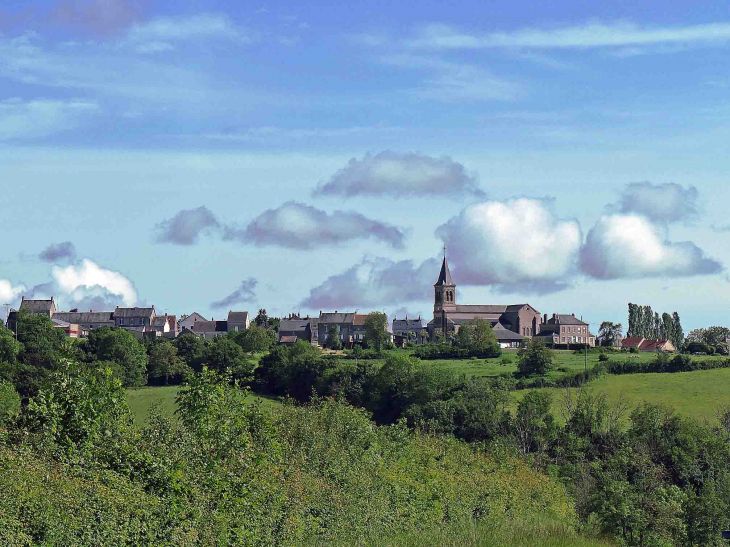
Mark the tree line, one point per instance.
(645, 323)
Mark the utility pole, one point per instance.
(585, 347)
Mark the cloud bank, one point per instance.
(186, 227)
(245, 293)
(517, 245)
(590, 35)
(630, 246)
(660, 202)
(298, 226)
(57, 252)
(401, 175)
(375, 282)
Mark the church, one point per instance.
(511, 323)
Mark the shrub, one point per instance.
(634, 350)
(534, 358)
(9, 403)
(603, 357)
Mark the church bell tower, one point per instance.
(444, 291)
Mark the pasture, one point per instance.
(141, 400)
(697, 394)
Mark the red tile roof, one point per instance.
(631, 342)
(360, 319)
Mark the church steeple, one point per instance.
(444, 290)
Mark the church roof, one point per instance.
(445, 275)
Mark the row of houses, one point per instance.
(142, 321)
(315, 330)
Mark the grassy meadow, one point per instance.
(697, 394)
(141, 400)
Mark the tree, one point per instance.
(121, 347)
(164, 361)
(376, 330)
(483, 338)
(714, 335)
(226, 356)
(667, 330)
(273, 324)
(41, 341)
(191, 349)
(464, 337)
(610, 333)
(333, 338)
(678, 332)
(261, 318)
(255, 339)
(534, 358)
(10, 348)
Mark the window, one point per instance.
(563, 339)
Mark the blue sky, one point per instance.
(311, 156)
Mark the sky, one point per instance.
(317, 156)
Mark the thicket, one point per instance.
(665, 363)
(74, 472)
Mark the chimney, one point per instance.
(555, 317)
(573, 314)
(545, 318)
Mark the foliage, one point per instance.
(10, 348)
(9, 403)
(224, 354)
(79, 407)
(534, 358)
(121, 347)
(164, 362)
(333, 338)
(644, 323)
(610, 333)
(262, 319)
(376, 330)
(191, 349)
(255, 339)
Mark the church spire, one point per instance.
(445, 275)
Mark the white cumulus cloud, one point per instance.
(8, 292)
(89, 280)
(517, 245)
(660, 202)
(631, 246)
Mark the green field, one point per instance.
(141, 400)
(697, 394)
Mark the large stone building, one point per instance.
(511, 323)
(566, 329)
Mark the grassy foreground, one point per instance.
(696, 394)
(508, 533)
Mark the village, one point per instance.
(512, 324)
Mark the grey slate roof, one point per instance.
(85, 318)
(237, 316)
(210, 326)
(444, 275)
(294, 325)
(59, 323)
(37, 306)
(478, 308)
(339, 318)
(505, 335)
(409, 324)
(133, 312)
(159, 321)
(565, 319)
